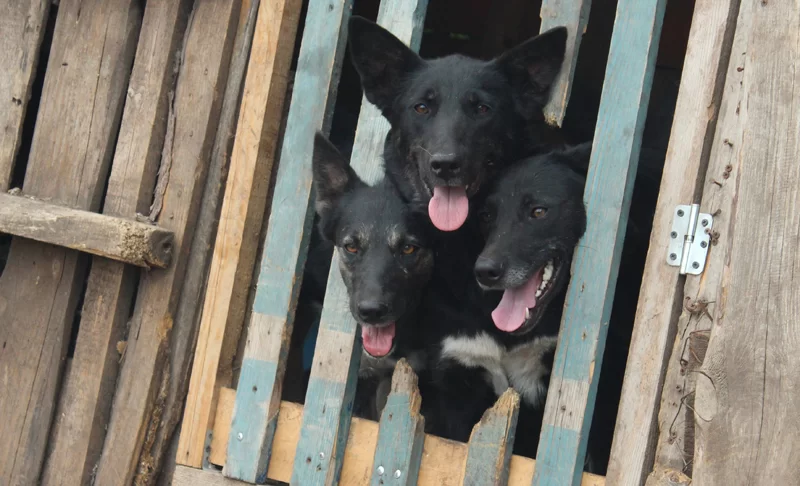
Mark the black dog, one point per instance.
(456, 121)
(385, 260)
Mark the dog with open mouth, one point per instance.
(456, 121)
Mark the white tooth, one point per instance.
(527, 314)
(548, 272)
(539, 293)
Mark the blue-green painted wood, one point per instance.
(258, 393)
(614, 160)
(492, 442)
(401, 433)
(328, 409)
(574, 14)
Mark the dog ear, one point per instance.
(332, 176)
(383, 62)
(532, 66)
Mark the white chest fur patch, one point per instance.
(520, 367)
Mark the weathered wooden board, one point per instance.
(401, 432)
(661, 296)
(124, 240)
(442, 464)
(259, 391)
(745, 406)
(85, 402)
(337, 356)
(609, 185)
(189, 476)
(492, 442)
(192, 127)
(22, 26)
(79, 114)
(240, 220)
(573, 14)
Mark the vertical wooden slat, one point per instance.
(328, 409)
(141, 389)
(22, 26)
(85, 403)
(573, 14)
(661, 296)
(81, 105)
(492, 442)
(240, 218)
(269, 330)
(401, 432)
(615, 154)
(747, 389)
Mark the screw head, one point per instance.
(380, 470)
(240, 436)
(695, 265)
(704, 223)
(322, 455)
(397, 474)
(674, 234)
(703, 244)
(680, 213)
(672, 256)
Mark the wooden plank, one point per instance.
(661, 298)
(330, 394)
(442, 463)
(192, 126)
(240, 220)
(189, 476)
(22, 26)
(745, 406)
(609, 184)
(79, 114)
(401, 431)
(574, 15)
(85, 402)
(128, 241)
(492, 442)
(285, 246)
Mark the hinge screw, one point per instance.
(704, 223)
(674, 234)
(672, 256)
(695, 265)
(703, 244)
(680, 213)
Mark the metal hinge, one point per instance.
(689, 239)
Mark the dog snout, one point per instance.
(489, 271)
(445, 165)
(372, 311)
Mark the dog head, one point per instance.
(532, 219)
(385, 257)
(455, 120)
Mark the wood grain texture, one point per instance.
(330, 394)
(491, 443)
(79, 114)
(609, 184)
(401, 432)
(442, 460)
(128, 241)
(240, 220)
(141, 389)
(676, 426)
(745, 419)
(661, 296)
(85, 401)
(574, 15)
(285, 245)
(22, 26)
(189, 476)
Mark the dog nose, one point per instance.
(445, 165)
(488, 271)
(372, 311)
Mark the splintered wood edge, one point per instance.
(505, 406)
(405, 382)
(443, 460)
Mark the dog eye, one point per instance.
(408, 249)
(483, 109)
(422, 108)
(351, 248)
(539, 213)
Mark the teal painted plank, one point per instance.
(492, 442)
(617, 142)
(574, 15)
(326, 422)
(259, 392)
(401, 433)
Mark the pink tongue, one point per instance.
(449, 207)
(378, 340)
(510, 313)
